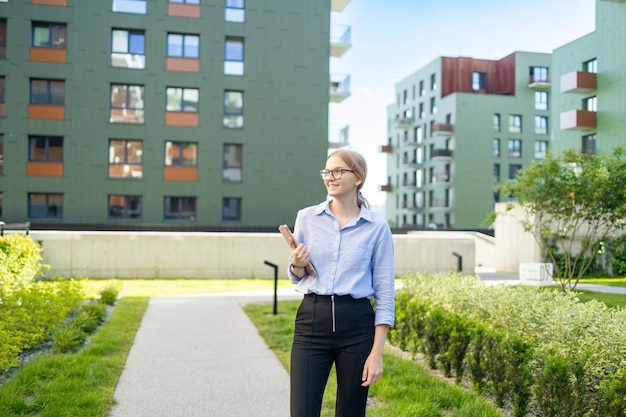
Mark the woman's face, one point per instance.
(347, 185)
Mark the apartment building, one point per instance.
(590, 85)
(460, 126)
(182, 113)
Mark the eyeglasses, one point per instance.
(335, 173)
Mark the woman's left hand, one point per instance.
(373, 369)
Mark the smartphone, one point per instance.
(291, 241)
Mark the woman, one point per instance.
(351, 250)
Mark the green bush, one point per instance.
(109, 295)
(20, 261)
(533, 350)
(67, 339)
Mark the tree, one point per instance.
(572, 203)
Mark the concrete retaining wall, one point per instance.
(221, 255)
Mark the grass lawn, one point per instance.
(82, 384)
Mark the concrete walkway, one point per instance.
(199, 355)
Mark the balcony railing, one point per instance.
(441, 153)
(385, 149)
(442, 129)
(340, 40)
(441, 177)
(403, 122)
(412, 185)
(579, 82)
(340, 138)
(578, 120)
(539, 83)
(409, 205)
(410, 162)
(339, 88)
(410, 142)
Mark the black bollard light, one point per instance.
(460, 258)
(268, 263)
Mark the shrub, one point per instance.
(531, 349)
(20, 261)
(109, 295)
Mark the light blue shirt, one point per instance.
(355, 260)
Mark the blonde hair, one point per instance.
(356, 162)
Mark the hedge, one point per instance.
(534, 351)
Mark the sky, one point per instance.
(392, 39)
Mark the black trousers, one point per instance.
(327, 331)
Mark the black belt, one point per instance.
(328, 298)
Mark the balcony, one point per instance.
(439, 204)
(613, 1)
(539, 83)
(442, 129)
(409, 205)
(340, 40)
(387, 188)
(339, 88)
(579, 120)
(409, 185)
(403, 122)
(579, 82)
(441, 178)
(338, 5)
(441, 153)
(412, 143)
(410, 163)
(385, 149)
(340, 138)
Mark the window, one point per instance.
(515, 123)
(419, 134)
(45, 148)
(124, 207)
(128, 48)
(541, 100)
(45, 206)
(182, 99)
(591, 66)
(422, 114)
(541, 125)
(185, 1)
(589, 144)
(513, 168)
(496, 147)
(2, 83)
(130, 6)
(235, 11)
(496, 173)
(125, 158)
(590, 104)
(541, 149)
(538, 74)
(496, 122)
(479, 81)
(433, 82)
(180, 208)
(433, 106)
(422, 89)
(233, 56)
(49, 35)
(232, 163)
(126, 103)
(231, 209)
(181, 153)
(405, 96)
(515, 148)
(183, 46)
(3, 38)
(47, 92)
(233, 109)
(1, 153)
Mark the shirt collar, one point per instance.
(324, 207)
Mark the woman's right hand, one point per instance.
(300, 255)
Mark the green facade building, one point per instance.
(459, 127)
(590, 85)
(181, 113)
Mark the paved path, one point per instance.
(201, 356)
